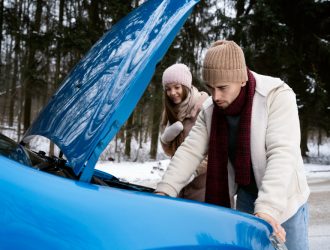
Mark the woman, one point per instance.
(182, 104)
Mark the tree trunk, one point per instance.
(140, 129)
(13, 88)
(7, 73)
(304, 135)
(57, 77)
(116, 148)
(29, 72)
(20, 114)
(157, 102)
(59, 47)
(146, 130)
(1, 22)
(129, 136)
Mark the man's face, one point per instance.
(224, 94)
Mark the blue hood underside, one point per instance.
(100, 93)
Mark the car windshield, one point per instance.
(13, 150)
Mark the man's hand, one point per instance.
(160, 193)
(278, 229)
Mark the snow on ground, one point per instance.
(318, 177)
(150, 173)
(145, 174)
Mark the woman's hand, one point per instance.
(278, 229)
(171, 132)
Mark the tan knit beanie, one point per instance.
(224, 63)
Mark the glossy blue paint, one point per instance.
(43, 211)
(103, 89)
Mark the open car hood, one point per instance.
(100, 93)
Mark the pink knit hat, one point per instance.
(177, 73)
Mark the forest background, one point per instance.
(42, 40)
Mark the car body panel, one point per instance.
(43, 211)
(100, 93)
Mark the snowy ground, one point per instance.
(150, 173)
(145, 174)
(319, 202)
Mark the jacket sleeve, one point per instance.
(186, 159)
(282, 154)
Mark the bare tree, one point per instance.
(157, 102)
(129, 130)
(1, 25)
(29, 72)
(17, 52)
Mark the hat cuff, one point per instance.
(214, 76)
(183, 82)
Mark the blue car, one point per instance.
(49, 202)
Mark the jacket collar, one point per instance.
(265, 84)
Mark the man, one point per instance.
(251, 133)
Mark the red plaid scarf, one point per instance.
(217, 175)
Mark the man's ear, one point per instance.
(243, 84)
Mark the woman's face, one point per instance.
(174, 91)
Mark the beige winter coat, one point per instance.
(195, 189)
(275, 151)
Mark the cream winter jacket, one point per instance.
(275, 151)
